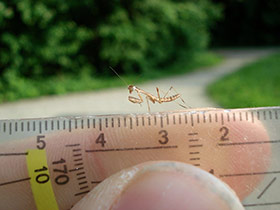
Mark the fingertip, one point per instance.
(161, 185)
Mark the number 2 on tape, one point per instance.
(40, 180)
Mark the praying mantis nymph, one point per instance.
(149, 96)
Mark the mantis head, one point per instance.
(131, 88)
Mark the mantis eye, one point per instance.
(131, 88)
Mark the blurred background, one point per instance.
(213, 52)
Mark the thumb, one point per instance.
(159, 186)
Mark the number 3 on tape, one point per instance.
(40, 180)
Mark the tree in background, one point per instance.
(248, 23)
(44, 39)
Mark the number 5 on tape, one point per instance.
(40, 180)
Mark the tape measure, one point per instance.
(51, 163)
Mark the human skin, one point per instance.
(99, 166)
(161, 185)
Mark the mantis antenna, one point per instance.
(118, 75)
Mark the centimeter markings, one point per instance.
(10, 127)
(39, 126)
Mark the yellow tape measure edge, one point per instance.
(41, 185)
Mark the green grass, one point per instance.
(256, 84)
(26, 88)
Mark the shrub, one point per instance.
(44, 39)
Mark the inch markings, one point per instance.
(133, 149)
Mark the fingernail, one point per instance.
(171, 189)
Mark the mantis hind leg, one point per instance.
(184, 105)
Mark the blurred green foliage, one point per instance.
(45, 39)
(248, 23)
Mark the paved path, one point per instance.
(190, 86)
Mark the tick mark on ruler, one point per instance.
(80, 173)
(40, 127)
(193, 153)
(84, 182)
(195, 145)
(81, 193)
(88, 123)
(252, 116)
(247, 143)
(79, 159)
(186, 119)
(83, 177)
(78, 164)
(76, 155)
(261, 204)
(72, 145)
(266, 188)
(100, 124)
(180, 119)
(133, 148)
(76, 123)
(124, 121)
(204, 118)
(276, 115)
(192, 119)
(194, 158)
(82, 123)
(70, 126)
(96, 182)
(15, 181)
(250, 174)
(13, 154)
(76, 150)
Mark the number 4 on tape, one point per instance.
(40, 180)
